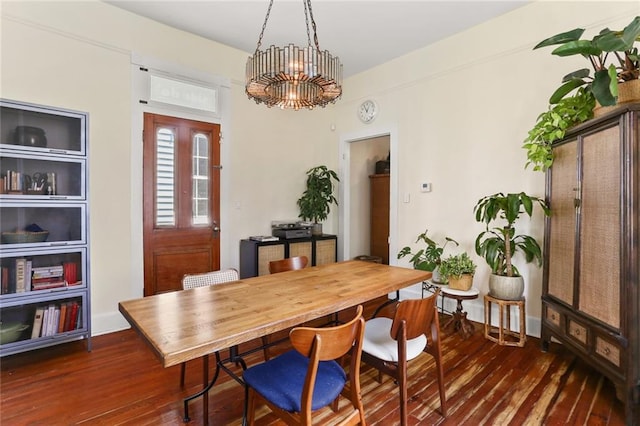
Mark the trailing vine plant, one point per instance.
(553, 124)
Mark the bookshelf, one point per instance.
(44, 211)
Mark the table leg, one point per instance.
(204, 392)
(459, 322)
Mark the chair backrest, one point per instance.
(288, 264)
(329, 343)
(209, 278)
(417, 315)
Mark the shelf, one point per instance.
(44, 213)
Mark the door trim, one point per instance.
(228, 255)
(344, 207)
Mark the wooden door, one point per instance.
(181, 200)
(380, 201)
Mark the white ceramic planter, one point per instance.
(506, 288)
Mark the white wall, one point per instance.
(76, 55)
(462, 108)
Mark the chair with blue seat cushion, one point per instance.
(390, 342)
(307, 378)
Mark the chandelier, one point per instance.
(294, 77)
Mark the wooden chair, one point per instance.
(293, 264)
(289, 264)
(206, 279)
(307, 378)
(390, 343)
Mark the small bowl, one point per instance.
(24, 237)
(11, 332)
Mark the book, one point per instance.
(73, 317)
(70, 273)
(37, 322)
(27, 279)
(4, 280)
(263, 238)
(63, 317)
(21, 270)
(40, 283)
(47, 271)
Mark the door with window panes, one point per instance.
(181, 200)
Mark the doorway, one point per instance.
(181, 200)
(359, 153)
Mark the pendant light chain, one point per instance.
(307, 4)
(264, 26)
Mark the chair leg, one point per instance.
(250, 406)
(402, 385)
(265, 348)
(183, 368)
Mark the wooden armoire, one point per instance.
(590, 297)
(380, 198)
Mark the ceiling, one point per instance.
(362, 33)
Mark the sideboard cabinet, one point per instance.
(44, 210)
(255, 255)
(590, 298)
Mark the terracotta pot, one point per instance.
(628, 91)
(463, 283)
(506, 288)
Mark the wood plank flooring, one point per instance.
(122, 383)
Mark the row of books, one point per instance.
(14, 181)
(22, 276)
(56, 318)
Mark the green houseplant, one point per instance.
(429, 257)
(499, 244)
(315, 202)
(612, 55)
(553, 124)
(459, 270)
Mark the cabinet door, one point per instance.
(302, 248)
(562, 222)
(599, 260)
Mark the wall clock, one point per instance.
(367, 111)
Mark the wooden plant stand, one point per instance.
(503, 335)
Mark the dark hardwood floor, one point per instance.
(122, 382)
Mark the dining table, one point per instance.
(184, 325)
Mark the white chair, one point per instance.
(206, 279)
(389, 343)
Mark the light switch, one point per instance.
(426, 187)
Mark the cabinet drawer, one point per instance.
(553, 316)
(577, 331)
(608, 350)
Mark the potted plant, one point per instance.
(458, 270)
(315, 202)
(499, 244)
(611, 54)
(429, 257)
(553, 124)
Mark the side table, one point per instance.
(503, 335)
(459, 321)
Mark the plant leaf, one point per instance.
(565, 89)
(601, 90)
(561, 38)
(578, 47)
(580, 74)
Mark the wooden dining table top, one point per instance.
(187, 324)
